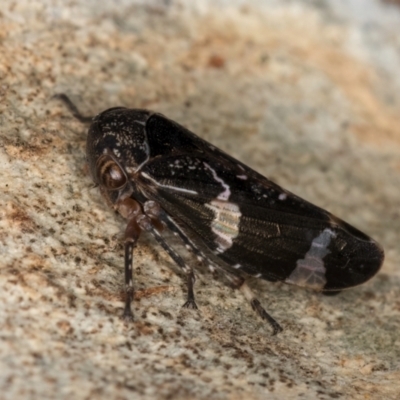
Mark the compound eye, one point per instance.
(110, 173)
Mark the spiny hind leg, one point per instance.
(238, 282)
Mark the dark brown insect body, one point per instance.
(158, 175)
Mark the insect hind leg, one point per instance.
(238, 282)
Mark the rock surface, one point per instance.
(307, 93)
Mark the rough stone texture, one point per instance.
(307, 93)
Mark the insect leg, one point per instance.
(258, 308)
(238, 282)
(147, 224)
(153, 210)
(190, 303)
(132, 211)
(174, 228)
(132, 233)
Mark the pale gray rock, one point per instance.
(307, 93)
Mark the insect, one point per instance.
(160, 176)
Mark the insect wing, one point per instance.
(247, 221)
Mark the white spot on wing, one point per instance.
(225, 224)
(225, 194)
(140, 122)
(175, 188)
(282, 196)
(310, 271)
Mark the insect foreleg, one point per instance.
(131, 210)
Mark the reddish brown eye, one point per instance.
(110, 174)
